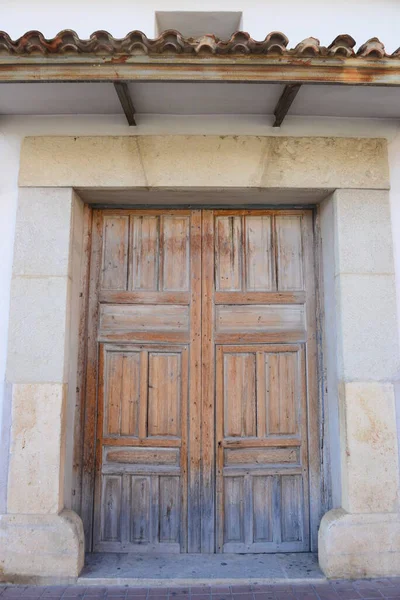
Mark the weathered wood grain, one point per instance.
(164, 396)
(145, 251)
(289, 253)
(259, 318)
(125, 318)
(146, 456)
(198, 328)
(228, 255)
(208, 500)
(195, 429)
(260, 272)
(115, 253)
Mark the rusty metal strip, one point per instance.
(217, 69)
(126, 101)
(285, 102)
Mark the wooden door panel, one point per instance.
(145, 248)
(140, 456)
(121, 414)
(234, 509)
(146, 319)
(175, 255)
(281, 393)
(229, 265)
(248, 319)
(146, 252)
(163, 409)
(261, 252)
(289, 253)
(140, 511)
(292, 508)
(254, 456)
(111, 506)
(142, 490)
(246, 472)
(169, 511)
(260, 272)
(260, 328)
(148, 310)
(263, 513)
(240, 395)
(115, 252)
(263, 506)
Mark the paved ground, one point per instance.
(324, 590)
(110, 568)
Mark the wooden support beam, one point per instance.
(287, 70)
(285, 102)
(126, 101)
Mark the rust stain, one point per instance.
(173, 57)
(119, 59)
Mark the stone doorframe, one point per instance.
(40, 535)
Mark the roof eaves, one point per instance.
(171, 42)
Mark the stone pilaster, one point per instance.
(37, 536)
(361, 538)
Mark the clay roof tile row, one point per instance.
(171, 42)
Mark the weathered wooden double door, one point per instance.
(202, 336)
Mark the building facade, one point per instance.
(199, 339)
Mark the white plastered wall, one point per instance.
(394, 164)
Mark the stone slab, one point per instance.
(358, 546)
(370, 467)
(40, 545)
(326, 162)
(35, 478)
(37, 330)
(42, 233)
(364, 232)
(184, 569)
(368, 347)
(204, 161)
(64, 161)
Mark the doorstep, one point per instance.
(199, 569)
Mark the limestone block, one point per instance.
(201, 161)
(370, 468)
(364, 232)
(265, 162)
(85, 161)
(37, 330)
(36, 469)
(367, 327)
(35, 546)
(42, 233)
(353, 546)
(205, 161)
(326, 162)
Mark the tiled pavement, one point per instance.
(324, 590)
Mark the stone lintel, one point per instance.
(214, 161)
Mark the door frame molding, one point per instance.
(202, 428)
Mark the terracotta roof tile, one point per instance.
(171, 42)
